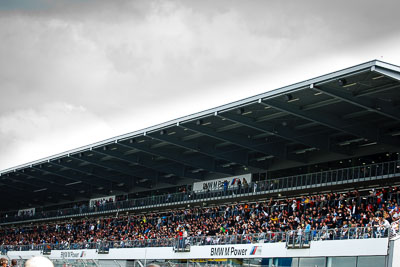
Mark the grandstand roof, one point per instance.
(350, 112)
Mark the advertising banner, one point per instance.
(218, 184)
(26, 212)
(334, 248)
(101, 201)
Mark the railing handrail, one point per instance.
(262, 186)
(395, 229)
(269, 237)
(269, 209)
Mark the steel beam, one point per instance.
(73, 178)
(87, 171)
(318, 141)
(278, 150)
(33, 172)
(45, 183)
(348, 126)
(240, 158)
(150, 174)
(50, 191)
(104, 165)
(170, 168)
(133, 177)
(374, 105)
(395, 75)
(205, 165)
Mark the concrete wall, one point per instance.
(360, 247)
(394, 252)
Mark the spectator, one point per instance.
(319, 212)
(225, 186)
(245, 184)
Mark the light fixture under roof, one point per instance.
(227, 165)
(302, 151)
(265, 158)
(77, 182)
(293, 100)
(40, 190)
(349, 85)
(368, 144)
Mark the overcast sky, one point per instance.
(77, 72)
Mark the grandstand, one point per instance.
(304, 175)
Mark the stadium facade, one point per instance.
(329, 135)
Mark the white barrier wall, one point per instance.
(394, 252)
(361, 247)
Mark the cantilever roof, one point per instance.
(335, 115)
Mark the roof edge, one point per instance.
(269, 94)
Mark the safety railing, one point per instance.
(290, 237)
(395, 229)
(299, 182)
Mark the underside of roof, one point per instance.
(350, 112)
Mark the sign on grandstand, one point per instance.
(219, 183)
(26, 212)
(100, 201)
(331, 248)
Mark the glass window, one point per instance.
(342, 262)
(295, 262)
(283, 262)
(371, 261)
(255, 262)
(266, 262)
(314, 262)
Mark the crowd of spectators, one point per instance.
(374, 210)
(99, 203)
(185, 193)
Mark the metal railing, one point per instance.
(290, 237)
(298, 182)
(395, 229)
(163, 219)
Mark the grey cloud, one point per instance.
(122, 60)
